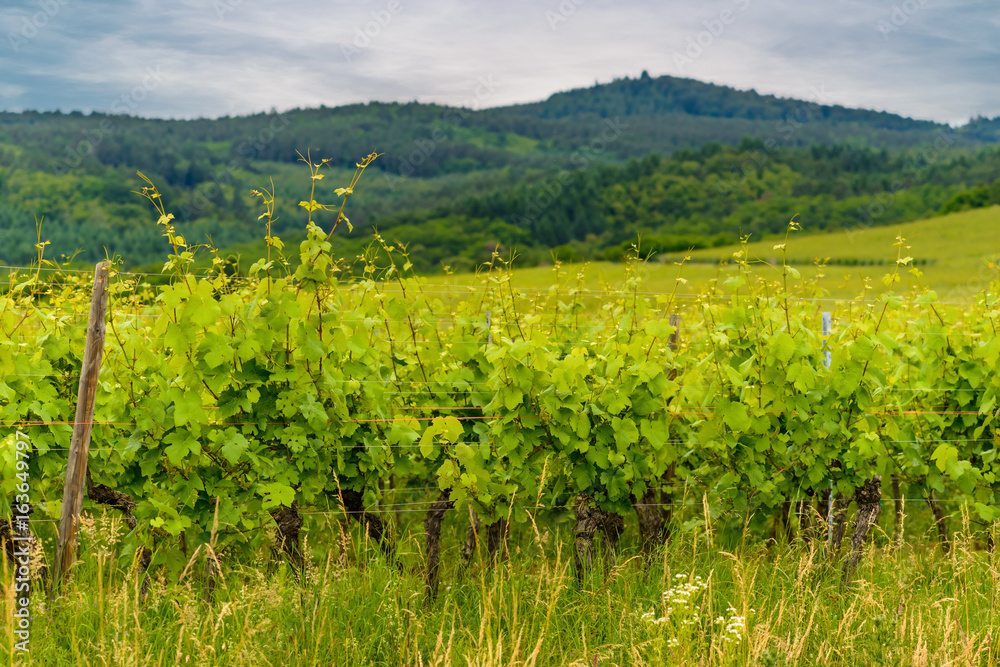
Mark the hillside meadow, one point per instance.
(957, 254)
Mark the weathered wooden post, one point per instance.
(76, 469)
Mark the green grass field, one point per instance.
(773, 604)
(959, 250)
(957, 255)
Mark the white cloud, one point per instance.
(238, 56)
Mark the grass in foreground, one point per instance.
(694, 604)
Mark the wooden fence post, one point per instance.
(76, 469)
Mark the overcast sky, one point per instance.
(933, 59)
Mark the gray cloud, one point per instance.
(924, 58)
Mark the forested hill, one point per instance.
(657, 115)
(699, 198)
(674, 113)
(77, 171)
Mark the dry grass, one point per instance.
(908, 605)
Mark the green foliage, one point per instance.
(527, 177)
(225, 397)
(978, 197)
(693, 199)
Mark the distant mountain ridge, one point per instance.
(78, 171)
(664, 114)
(668, 94)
